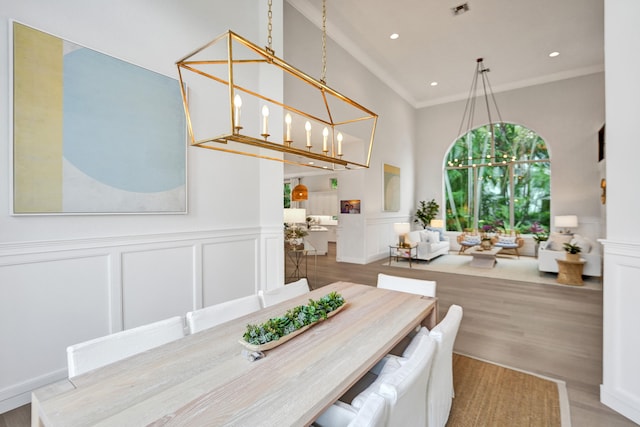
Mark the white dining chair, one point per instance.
(403, 383)
(406, 284)
(283, 293)
(216, 314)
(373, 413)
(440, 389)
(98, 352)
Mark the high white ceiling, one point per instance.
(514, 37)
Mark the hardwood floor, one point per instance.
(550, 330)
(554, 331)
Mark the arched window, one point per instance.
(498, 181)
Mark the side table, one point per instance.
(402, 252)
(570, 272)
(298, 261)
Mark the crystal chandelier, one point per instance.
(323, 129)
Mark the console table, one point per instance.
(298, 261)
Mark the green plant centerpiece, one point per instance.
(426, 212)
(294, 321)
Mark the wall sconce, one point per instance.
(603, 186)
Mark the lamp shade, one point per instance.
(437, 223)
(299, 193)
(401, 228)
(294, 216)
(568, 221)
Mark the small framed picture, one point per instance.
(350, 206)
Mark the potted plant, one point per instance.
(573, 252)
(426, 212)
(539, 235)
(293, 235)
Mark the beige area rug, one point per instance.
(491, 395)
(524, 269)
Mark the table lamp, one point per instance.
(437, 223)
(401, 228)
(566, 222)
(295, 216)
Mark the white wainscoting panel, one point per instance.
(380, 232)
(229, 270)
(47, 304)
(157, 284)
(57, 293)
(620, 387)
(273, 255)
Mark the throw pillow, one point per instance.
(424, 236)
(583, 242)
(507, 240)
(434, 237)
(557, 240)
(473, 240)
(440, 232)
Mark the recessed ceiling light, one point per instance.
(434, 83)
(554, 54)
(394, 36)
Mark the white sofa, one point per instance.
(431, 243)
(552, 249)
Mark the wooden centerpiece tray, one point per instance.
(272, 344)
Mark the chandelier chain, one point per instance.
(269, 29)
(323, 79)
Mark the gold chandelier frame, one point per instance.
(334, 104)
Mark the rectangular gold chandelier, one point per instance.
(229, 107)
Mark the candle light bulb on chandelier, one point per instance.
(325, 135)
(307, 127)
(287, 120)
(339, 138)
(265, 121)
(237, 103)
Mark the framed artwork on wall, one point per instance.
(349, 206)
(391, 188)
(93, 134)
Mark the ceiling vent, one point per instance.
(460, 9)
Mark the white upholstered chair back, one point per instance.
(405, 390)
(213, 315)
(402, 381)
(283, 293)
(372, 414)
(405, 284)
(95, 353)
(440, 389)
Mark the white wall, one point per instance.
(67, 278)
(365, 237)
(621, 367)
(567, 114)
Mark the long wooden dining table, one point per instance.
(203, 380)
